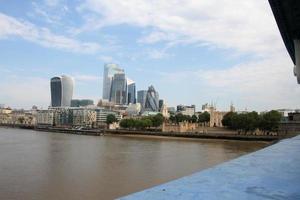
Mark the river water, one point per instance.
(41, 165)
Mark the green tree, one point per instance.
(111, 118)
(179, 118)
(157, 120)
(270, 121)
(172, 118)
(147, 123)
(124, 123)
(194, 119)
(21, 120)
(204, 117)
(227, 119)
(252, 121)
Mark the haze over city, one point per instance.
(189, 53)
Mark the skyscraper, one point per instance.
(161, 103)
(109, 71)
(118, 93)
(61, 91)
(152, 99)
(141, 98)
(131, 92)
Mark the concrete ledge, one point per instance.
(270, 173)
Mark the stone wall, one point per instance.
(180, 128)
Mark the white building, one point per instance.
(45, 117)
(133, 109)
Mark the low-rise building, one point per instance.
(186, 110)
(45, 118)
(63, 117)
(81, 102)
(84, 117)
(133, 109)
(101, 115)
(5, 110)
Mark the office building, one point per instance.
(118, 93)
(81, 102)
(61, 91)
(160, 103)
(131, 92)
(141, 98)
(109, 71)
(152, 100)
(186, 110)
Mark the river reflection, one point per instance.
(40, 165)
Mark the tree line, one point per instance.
(143, 123)
(201, 118)
(249, 122)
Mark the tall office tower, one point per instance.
(118, 93)
(131, 91)
(152, 99)
(109, 71)
(141, 98)
(160, 103)
(61, 91)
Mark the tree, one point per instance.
(172, 118)
(270, 121)
(204, 117)
(227, 119)
(124, 123)
(252, 121)
(111, 118)
(21, 120)
(194, 119)
(147, 123)
(179, 118)
(157, 120)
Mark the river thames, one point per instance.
(41, 165)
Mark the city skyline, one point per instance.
(223, 58)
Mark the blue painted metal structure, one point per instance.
(270, 173)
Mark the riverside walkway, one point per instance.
(270, 173)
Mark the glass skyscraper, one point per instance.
(131, 92)
(152, 100)
(118, 93)
(61, 91)
(141, 98)
(109, 71)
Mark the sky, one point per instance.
(191, 51)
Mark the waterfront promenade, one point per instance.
(270, 173)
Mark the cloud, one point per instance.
(10, 26)
(246, 26)
(258, 85)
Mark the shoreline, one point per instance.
(99, 132)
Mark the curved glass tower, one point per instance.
(61, 91)
(152, 100)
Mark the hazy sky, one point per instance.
(192, 51)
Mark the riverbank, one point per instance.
(223, 136)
